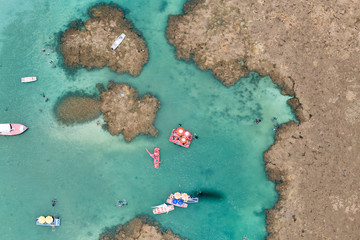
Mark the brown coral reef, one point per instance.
(311, 49)
(125, 113)
(139, 228)
(89, 45)
(128, 114)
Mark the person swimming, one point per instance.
(45, 98)
(53, 202)
(257, 121)
(52, 63)
(276, 127)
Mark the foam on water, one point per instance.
(88, 170)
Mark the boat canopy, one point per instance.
(5, 128)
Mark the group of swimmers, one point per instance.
(122, 203)
(276, 124)
(195, 135)
(51, 61)
(45, 98)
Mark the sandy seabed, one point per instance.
(311, 49)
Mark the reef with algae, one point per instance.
(311, 50)
(124, 111)
(77, 109)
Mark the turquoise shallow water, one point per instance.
(87, 169)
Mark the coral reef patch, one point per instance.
(89, 44)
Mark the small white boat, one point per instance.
(118, 41)
(28, 79)
(12, 129)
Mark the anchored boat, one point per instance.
(192, 199)
(49, 221)
(10, 129)
(28, 79)
(181, 199)
(155, 156)
(181, 137)
(163, 208)
(118, 41)
(177, 199)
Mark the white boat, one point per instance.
(28, 79)
(163, 208)
(118, 41)
(12, 129)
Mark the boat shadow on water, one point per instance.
(212, 195)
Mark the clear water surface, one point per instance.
(87, 169)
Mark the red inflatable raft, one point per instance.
(181, 137)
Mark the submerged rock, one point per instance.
(139, 228)
(89, 45)
(73, 109)
(126, 113)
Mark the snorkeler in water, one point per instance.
(53, 202)
(45, 98)
(196, 136)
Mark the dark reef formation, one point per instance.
(76, 109)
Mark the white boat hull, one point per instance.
(28, 79)
(118, 41)
(11, 129)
